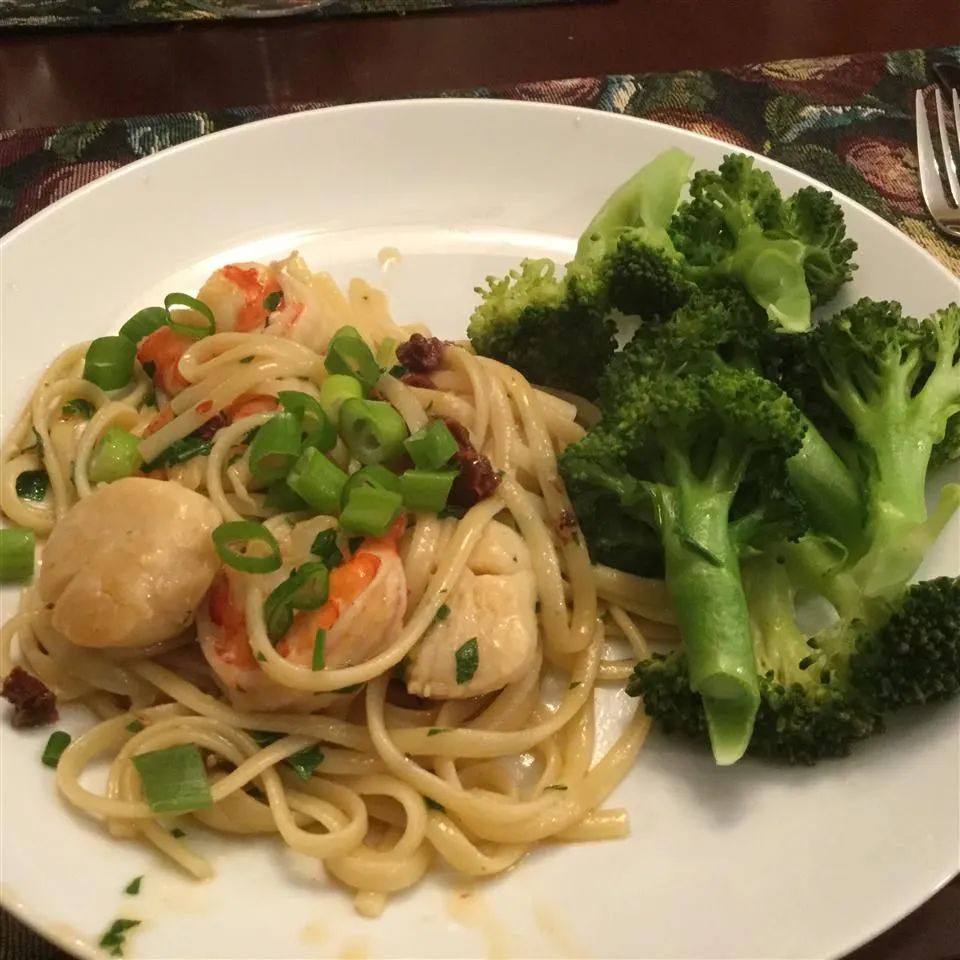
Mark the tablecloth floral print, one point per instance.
(846, 120)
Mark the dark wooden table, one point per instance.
(51, 78)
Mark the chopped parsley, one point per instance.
(325, 547)
(179, 452)
(78, 408)
(574, 684)
(442, 613)
(272, 300)
(133, 887)
(33, 485)
(304, 762)
(433, 731)
(177, 833)
(114, 939)
(134, 726)
(247, 359)
(433, 805)
(468, 659)
(557, 786)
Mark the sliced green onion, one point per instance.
(190, 329)
(468, 659)
(116, 455)
(320, 432)
(33, 485)
(281, 497)
(109, 362)
(17, 546)
(143, 323)
(335, 390)
(275, 448)
(58, 742)
(374, 476)
(387, 353)
(431, 447)
(306, 588)
(304, 761)
(180, 451)
(133, 887)
(237, 531)
(318, 480)
(372, 429)
(426, 489)
(371, 511)
(319, 650)
(174, 780)
(325, 547)
(349, 354)
(78, 408)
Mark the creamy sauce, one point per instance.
(314, 934)
(355, 949)
(470, 909)
(553, 925)
(389, 257)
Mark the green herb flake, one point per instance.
(325, 547)
(319, 650)
(433, 731)
(177, 833)
(33, 485)
(304, 762)
(114, 939)
(58, 742)
(442, 613)
(468, 659)
(179, 452)
(133, 887)
(261, 657)
(433, 805)
(272, 300)
(78, 408)
(247, 359)
(135, 726)
(557, 786)
(574, 684)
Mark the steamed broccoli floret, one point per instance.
(789, 253)
(948, 449)
(561, 332)
(893, 386)
(649, 282)
(815, 219)
(819, 696)
(674, 446)
(556, 333)
(915, 656)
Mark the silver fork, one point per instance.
(944, 209)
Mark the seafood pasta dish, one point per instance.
(317, 575)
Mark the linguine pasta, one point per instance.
(405, 781)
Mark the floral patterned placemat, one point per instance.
(845, 120)
(113, 13)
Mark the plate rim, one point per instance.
(8, 900)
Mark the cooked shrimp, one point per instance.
(130, 564)
(364, 610)
(493, 603)
(160, 352)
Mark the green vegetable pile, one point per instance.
(756, 459)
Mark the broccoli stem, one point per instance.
(827, 489)
(703, 573)
(779, 643)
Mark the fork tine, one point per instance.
(930, 184)
(949, 160)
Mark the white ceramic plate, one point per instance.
(749, 862)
